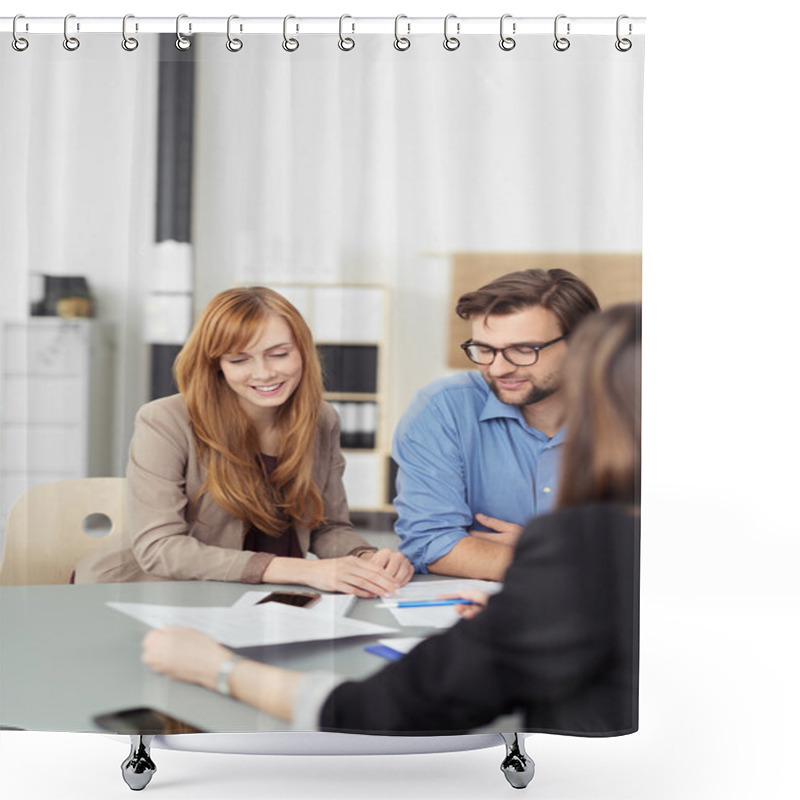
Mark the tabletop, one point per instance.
(66, 657)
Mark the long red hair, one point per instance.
(226, 441)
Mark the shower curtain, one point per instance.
(371, 177)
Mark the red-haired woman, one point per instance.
(240, 475)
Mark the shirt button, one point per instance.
(546, 490)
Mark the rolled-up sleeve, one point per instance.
(431, 503)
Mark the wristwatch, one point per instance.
(224, 673)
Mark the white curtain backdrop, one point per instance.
(374, 166)
(77, 158)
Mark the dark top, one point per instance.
(285, 545)
(560, 643)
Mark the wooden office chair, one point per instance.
(53, 525)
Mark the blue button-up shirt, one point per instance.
(460, 451)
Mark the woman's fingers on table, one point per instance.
(395, 564)
(354, 575)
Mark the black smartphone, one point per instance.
(143, 720)
(299, 599)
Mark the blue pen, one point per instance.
(427, 603)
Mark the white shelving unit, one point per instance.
(56, 407)
(352, 316)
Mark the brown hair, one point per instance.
(226, 440)
(603, 392)
(557, 290)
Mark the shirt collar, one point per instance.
(494, 408)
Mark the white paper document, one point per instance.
(235, 626)
(434, 616)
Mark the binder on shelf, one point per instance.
(349, 368)
(367, 425)
(358, 424)
(391, 481)
(349, 416)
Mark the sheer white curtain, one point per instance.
(373, 166)
(77, 157)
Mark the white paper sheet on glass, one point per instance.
(434, 616)
(330, 605)
(267, 624)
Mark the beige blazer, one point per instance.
(163, 473)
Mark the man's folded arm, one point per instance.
(474, 558)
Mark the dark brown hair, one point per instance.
(557, 290)
(603, 394)
(225, 437)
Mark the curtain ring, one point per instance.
(561, 43)
(289, 45)
(18, 42)
(181, 42)
(234, 45)
(346, 43)
(128, 42)
(623, 45)
(451, 42)
(70, 42)
(401, 42)
(507, 42)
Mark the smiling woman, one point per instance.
(239, 476)
(264, 375)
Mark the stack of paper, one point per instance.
(239, 626)
(435, 616)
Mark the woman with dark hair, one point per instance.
(558, 644)
(239, 475)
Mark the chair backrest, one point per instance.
(46, 534)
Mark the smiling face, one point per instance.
(522, 386)
(264, 374)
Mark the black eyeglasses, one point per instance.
(520, 355)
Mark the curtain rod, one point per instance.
(310, 25)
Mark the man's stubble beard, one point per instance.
(535, 394)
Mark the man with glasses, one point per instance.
(477, 453)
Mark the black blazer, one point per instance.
(560, 643)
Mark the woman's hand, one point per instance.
(350, 575)
(479, 601)
(184, 654)
(395, 564)
(506, 532)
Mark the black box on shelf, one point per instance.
(349, 367)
